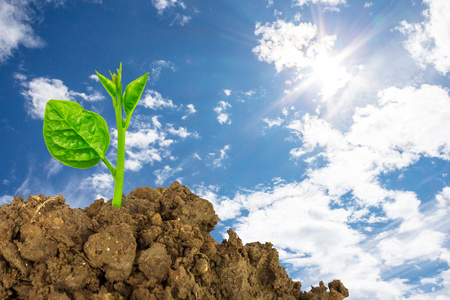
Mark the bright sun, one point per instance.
(330, 74)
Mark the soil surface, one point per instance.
(156, 246)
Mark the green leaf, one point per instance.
(76, 137)
(133, 93)
(119, 72)
(109, 85)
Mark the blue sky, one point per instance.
(321, 126)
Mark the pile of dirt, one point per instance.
(156, 246)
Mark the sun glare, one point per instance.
(328, 72)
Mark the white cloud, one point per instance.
(16, 30)
(163, 174)
(223, 117)
(442, 281)
(426, 245)
(325, 2)
(94, 77)
(164, 5)
(331, 5)
(144, 146)
(227, 92)
(101, 183)
(136, 159)
(368, 4)
(155, 122)
(310, 55)
(181, 19)
(153, 100)
(143, 138)
(366, 239)
(5, 199)
(161, 5)
(310, 236)
(218, 158)
(429, 41)
(40, 90)
(191, 108)
(405, 207)
(20, 77)
(16, 18)
(147, 142)
(224, 207)
(271, 122)
(191, 111)
(406, 124)
(182, 132)
(53, 167)
(157, 67)
(407, 119)
(250, 93)
(287, 45)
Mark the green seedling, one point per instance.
(80, 138)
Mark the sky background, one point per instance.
(322, 126)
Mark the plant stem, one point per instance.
(120, 164)
(110, 167)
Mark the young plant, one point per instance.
(80, 138)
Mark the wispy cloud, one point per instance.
(222, 116)
(168, 5)
(182, 132)
(15, 20)
(5, 199)
(153, 100)
(273, 122)
(53, 167)
(331, 4)
(94, 77)
(429, 41)
(218, 158)
(164, 174)
(101, 183)
(162, 5)
(157, 67)
(190, 111)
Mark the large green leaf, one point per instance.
(133, 93)
(76, 137)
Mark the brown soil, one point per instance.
(156, 246)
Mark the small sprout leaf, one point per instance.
(109, 85)
(76, 137)
(133, 93)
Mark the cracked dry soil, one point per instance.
(156, 246)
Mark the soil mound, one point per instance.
(156, 246)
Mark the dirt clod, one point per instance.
(156, 246)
